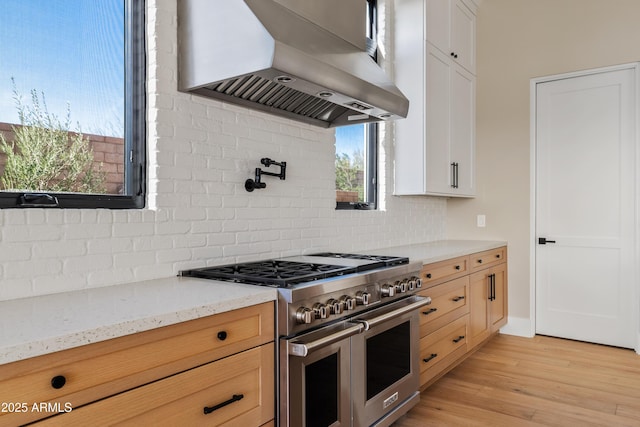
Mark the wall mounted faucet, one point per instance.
(252, 184)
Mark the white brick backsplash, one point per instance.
(200, 153)
(87, 263)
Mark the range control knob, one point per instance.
(411, 285)
(404, 285)
(362, 298)
(349, 303)
(388, 290)
(335, 306)
(417, 281)
(304, 315)
(320, 310)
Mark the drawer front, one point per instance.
(439, 272)
(85, 374)
(482, 260)
(235, 391)
(441, 348)
(449, 301)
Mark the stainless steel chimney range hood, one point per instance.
(300, 59)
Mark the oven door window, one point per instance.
(322, 392)
(388, 358)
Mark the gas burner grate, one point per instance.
(275, 273)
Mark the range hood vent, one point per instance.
(293, 58)
(271, 95)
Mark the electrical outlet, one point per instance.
(481, 220)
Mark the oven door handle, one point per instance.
(303, 349)
(370, 323)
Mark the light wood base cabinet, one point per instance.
(235, 391)
(488, 292)
(440, 349)
(145, 373)
(469, 305)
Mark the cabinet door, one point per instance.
(463, 30)
(498, 306)
(438, 22)
(438, 121)
(462, 146)
(479, 327)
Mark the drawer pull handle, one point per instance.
(498, 256)
(58, 382)
(480, 261)
(457, 267)
(456, 299)
(428, 275)
(428, 359)
(431, 310)
(210, 409)
(222, 335)
(457, 340)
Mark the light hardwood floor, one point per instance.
(515, 381)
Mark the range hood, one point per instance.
(301, 59)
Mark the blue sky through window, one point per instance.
(349, 139)
(70, 50)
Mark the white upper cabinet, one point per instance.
(435, 68)
(451, 27)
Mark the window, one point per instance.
(357, 145)
(356, 166)
(72, 104)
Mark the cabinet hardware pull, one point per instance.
(428, 359)
(479, 260)
(456, 299)
(58, 382)
(428, 275)
(210, 409)
(498, 256)
(457, 267)
(457, 340)
(222, 335)
(431, 310)
(492, 287)
(454, 174)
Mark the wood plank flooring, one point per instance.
(540, 381)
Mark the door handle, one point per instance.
(544, 241)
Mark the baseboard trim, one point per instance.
(519, 326)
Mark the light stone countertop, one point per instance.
(440, 250)
(39, 325)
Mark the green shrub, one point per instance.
(46, 156)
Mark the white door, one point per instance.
(585, 207)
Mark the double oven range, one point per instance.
(348, 335)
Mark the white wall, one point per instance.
(519, 40)
(200, 153)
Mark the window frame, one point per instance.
(135, 187)
(370, 201)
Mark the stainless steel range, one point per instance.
(348, 335)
